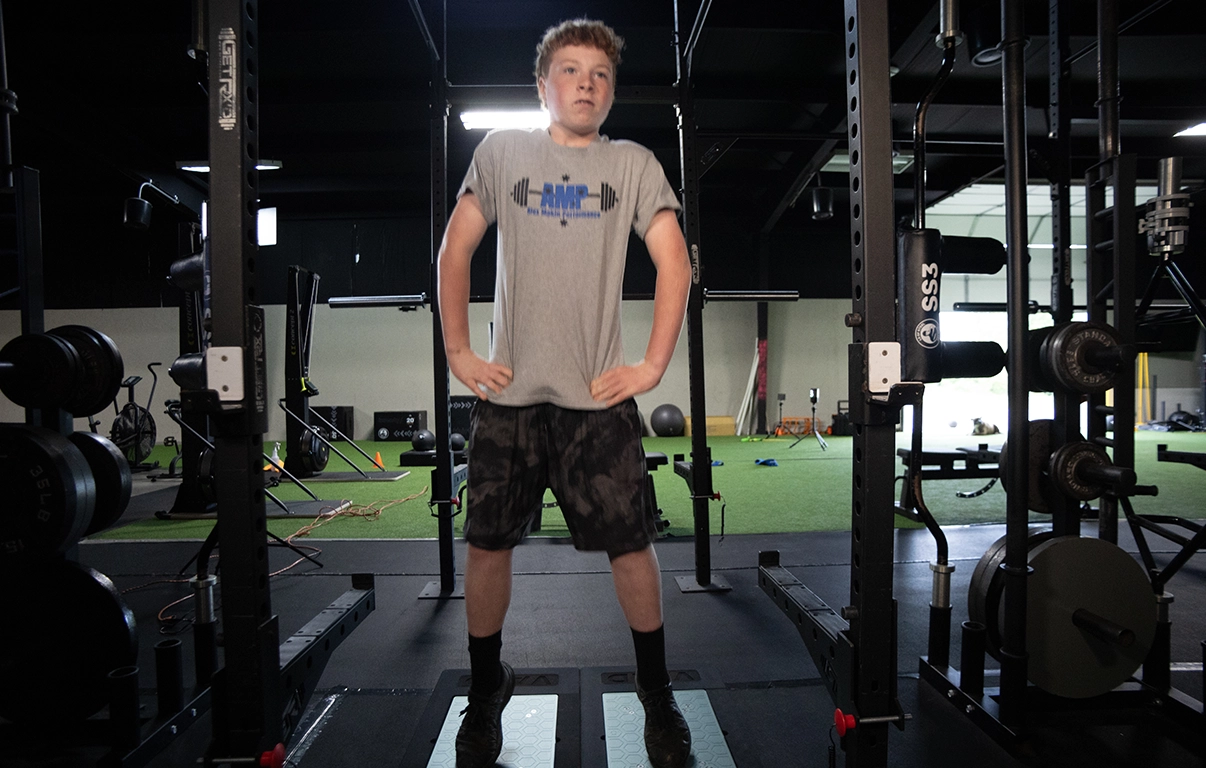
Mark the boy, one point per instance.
(556, 407)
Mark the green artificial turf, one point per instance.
(808, 490)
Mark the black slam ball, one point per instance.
(667, 421)
(424, 440)
(456, 441)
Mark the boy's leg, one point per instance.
(487, 596)
(487, 589)
(505, 486)
(479, 740)
(638, 581)
(639, 588)
(598, 475)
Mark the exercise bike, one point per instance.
(133, 431)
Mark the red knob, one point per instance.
(843, 722)
(275, 758)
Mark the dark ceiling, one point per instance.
(108, 98)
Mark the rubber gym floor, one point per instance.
(386, 689)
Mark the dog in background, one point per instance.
(980, 427)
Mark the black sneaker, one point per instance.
(667, 737)
(480, 740)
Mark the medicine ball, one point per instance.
(667, 421)
(424, 440)
(456, 441)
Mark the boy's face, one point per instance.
(578, 89)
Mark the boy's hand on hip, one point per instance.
(478, 374)
(619, 384)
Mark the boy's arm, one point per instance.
(466, 227)
(668, 251)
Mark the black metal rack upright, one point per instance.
(263, 685)
(247, 691)
(855, 649)
(699, 472)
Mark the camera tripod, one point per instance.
(813, 394)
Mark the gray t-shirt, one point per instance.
(563, 217)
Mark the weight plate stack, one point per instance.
(51, 494)
(46, 371)
(101, 372)
(111, 473)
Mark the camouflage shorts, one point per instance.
(592, 460)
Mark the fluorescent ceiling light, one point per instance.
(485, 120)
(840, 162)
(1197, 130)
(200, 166)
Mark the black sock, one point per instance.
(651, 658)
(486, 669)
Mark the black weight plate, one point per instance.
(50, 495)
(66, 628)
(1070, 573)
(1065, 357)
(111, 473)
(987, 588)
(103, 369)
(47, 371)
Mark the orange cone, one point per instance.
(378, 460)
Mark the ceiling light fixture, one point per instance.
(200, 166)
(1197, 130)
(489, 119)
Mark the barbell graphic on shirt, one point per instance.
(563, 195)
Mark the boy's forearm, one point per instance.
(461, 238)
(454, 301)
(669, 307)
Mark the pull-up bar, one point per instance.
(751, 295)
(411, 301)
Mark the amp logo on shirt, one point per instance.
(563, 200)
